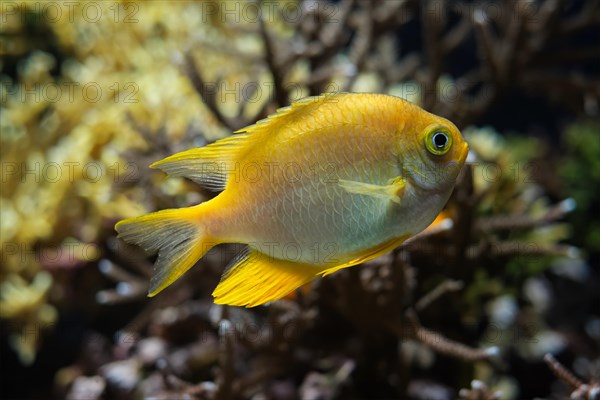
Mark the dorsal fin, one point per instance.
(210, 165)
(290, 114)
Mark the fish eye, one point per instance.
(438, 141)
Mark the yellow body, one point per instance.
(327, 183)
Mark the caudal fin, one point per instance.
(177, 235)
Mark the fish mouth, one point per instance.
(463, 153)
(419, 179)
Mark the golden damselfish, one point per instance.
(326, 183)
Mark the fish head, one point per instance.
(437, 155)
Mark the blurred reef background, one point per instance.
(505, 304)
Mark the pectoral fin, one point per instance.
(392, 192)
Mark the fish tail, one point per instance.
(178, 235)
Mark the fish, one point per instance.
(329, 182)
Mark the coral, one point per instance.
(93, 92)
(580, 390)
(479, 391)
(26, 307)
(580, 169)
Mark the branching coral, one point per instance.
(580, 390)
(87, 103)
(25, 306)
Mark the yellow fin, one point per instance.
(178, 237)
(208, 165)
(290, 114)
(211, 165)
(392, 192)
(369, 255)
(255, 279)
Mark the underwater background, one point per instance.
(503, 305)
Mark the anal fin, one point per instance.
(256, 278)
(369, 255)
